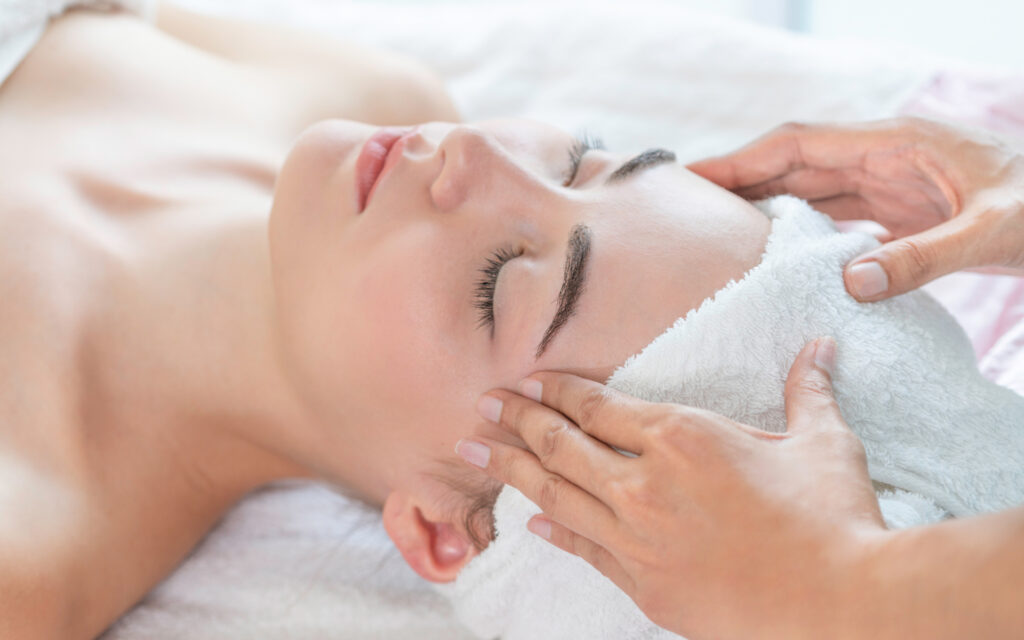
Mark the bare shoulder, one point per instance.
(338, 77)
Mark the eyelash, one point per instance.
(584, 142)
(484, 296)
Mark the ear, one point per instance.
(435, 549)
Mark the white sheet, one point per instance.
(298, 561)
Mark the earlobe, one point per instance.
(436, 549)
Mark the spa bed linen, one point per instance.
(296, 560)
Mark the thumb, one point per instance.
(903, 265)
(809, 399)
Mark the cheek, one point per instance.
(404, 342)
(390, 319)
(314, 192)
(416, 379)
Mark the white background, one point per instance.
(986, 32)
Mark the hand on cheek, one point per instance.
(709, 513)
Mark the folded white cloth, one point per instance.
(951, 442)
(22, 23)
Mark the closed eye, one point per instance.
(581, 145)
(483, 299)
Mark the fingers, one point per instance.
(845, 207)
(598, 557)
(809, 399)
(554, 494)
(557, 443)
(603, 412)
(810, 183)
(821, 149)
(903, 265)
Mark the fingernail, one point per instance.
(541, 527)
(489, 407)
(474, 453)
(531, 388)
(825, 354)
(868, 279)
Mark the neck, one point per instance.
(184, 354)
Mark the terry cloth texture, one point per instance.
(950, 442)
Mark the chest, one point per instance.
(108, 126)
(109, 133)
(107, 104)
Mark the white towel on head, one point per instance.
(951, 442)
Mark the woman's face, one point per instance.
(385, 323)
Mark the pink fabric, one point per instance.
(991, 310)
(990, 101)
(989, 307)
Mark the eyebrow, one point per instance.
(577, 251)
(643, 160)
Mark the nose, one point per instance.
(474, 162)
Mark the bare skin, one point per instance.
(199, 304)
(156, 176)
(954, 197)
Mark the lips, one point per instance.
(375, 159)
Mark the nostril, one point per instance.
(463, 152)
(450, 188)
(417, 143)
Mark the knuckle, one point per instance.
(592, 403)
(637, 499)
(663, 432)
(550, 493)
(916, 258)
(673, 428)
(552, 440)
(813, 385)
(624, 492)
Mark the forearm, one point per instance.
(958, 579)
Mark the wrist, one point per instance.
(845, 604)
(826, 598)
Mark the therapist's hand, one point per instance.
(716, 529)
(951, 197)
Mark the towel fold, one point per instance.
(941, 440)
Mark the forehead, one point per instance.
(663, 241)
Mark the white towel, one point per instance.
(906, 381)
